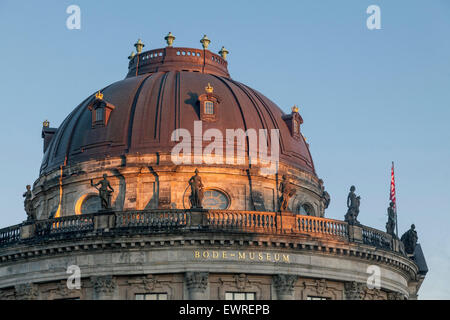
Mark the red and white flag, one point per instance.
(392, 195)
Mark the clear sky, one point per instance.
(367, 97)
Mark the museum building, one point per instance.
(111, 202)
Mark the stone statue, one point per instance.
(105, 191)
(196, 197)
(390, 224)
(353, 203)
(287, 191)
(409, 239)
(27, 204)
(325, 195)
(326, 199)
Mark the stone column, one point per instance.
(196, 283)
(104, 287)
(284, 285)
(354, 290)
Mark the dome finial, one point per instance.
(131, 56)
(209, 89)
(169, 39)
(295, 109)
(223, 52)
(46, 124)
(99, 95)
(205, 42)
(139, 45)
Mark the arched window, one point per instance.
(91, 204)
(209, 107)
(99, 115)
(306, 209)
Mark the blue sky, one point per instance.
(367, 97)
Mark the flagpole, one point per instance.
(396, 220)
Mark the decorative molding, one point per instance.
(284, 284)
(26, 291)
(395, 296)
(354, 290)
(146, 283)
(53, 247)
(60, 290)
(242, 281)
(196, 281)
(104, 284)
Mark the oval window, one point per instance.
(306, 209)
(214, 199)
(91, 204)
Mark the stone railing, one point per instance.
(10, 234)
(157, 219)
(376, 238)
(308, 224)
(64, 225)
(242, 220)
(148, 221)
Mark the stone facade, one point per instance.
(144, 183)
(202, 265)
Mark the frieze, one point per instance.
(257, 256)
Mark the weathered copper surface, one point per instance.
(164, 97)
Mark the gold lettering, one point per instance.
(286, 257)
(205, 254)
(252, 255)
(268, 257)
(260, 256)
(241, 255)
(277, 256)
(196, 254)
(224, 255)
(215, 254)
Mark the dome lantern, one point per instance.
(223, 52)
(205, 42)
(139, 45)
(169, 39)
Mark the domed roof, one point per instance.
(160, 94)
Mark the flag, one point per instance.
(392, 195)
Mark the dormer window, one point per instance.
(101, 111)
(99, 114)
(293, 121)
(209, 105)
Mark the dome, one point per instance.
(160, 94)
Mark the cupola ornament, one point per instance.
(99, 95)
(205, 42)
(139, 45)
(209, 89)
(46, 124)
(295, 109)
(169, 39)
(223, 52)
